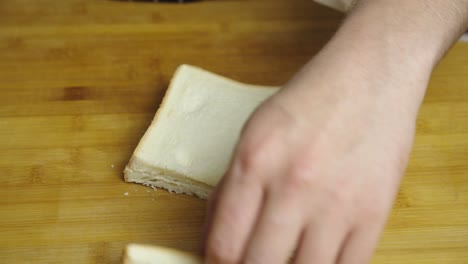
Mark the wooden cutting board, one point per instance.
(80, 81)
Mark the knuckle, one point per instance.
(244, 173)
(299, 177)
(337, 196)
(251, 157)
(373, 211)
(337, 202)
(329, 202)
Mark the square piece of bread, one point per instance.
(144, 254)
(189, 144)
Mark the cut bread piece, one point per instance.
(189, 144)
(144, 254)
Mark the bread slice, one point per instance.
(144, 254)
(189, 144)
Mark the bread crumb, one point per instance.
(126, 193)
(112, 165)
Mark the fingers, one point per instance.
(276, 232)
(321, 241)
(237, 207)
(210, 209)
(360, 245)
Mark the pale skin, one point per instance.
(318, 165)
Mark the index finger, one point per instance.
(237, 204)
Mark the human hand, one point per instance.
(316, 170)
(317, 166)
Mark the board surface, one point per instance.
(80, 81)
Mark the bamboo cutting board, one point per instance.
(80, 81)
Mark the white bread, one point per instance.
(189, 144)
(144, 254)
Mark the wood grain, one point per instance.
(81, 79)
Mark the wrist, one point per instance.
(369, 43)
(347, 69)
(371, 66)
(342, 72)
(422, 30)
(385, 51)
(372, 56)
